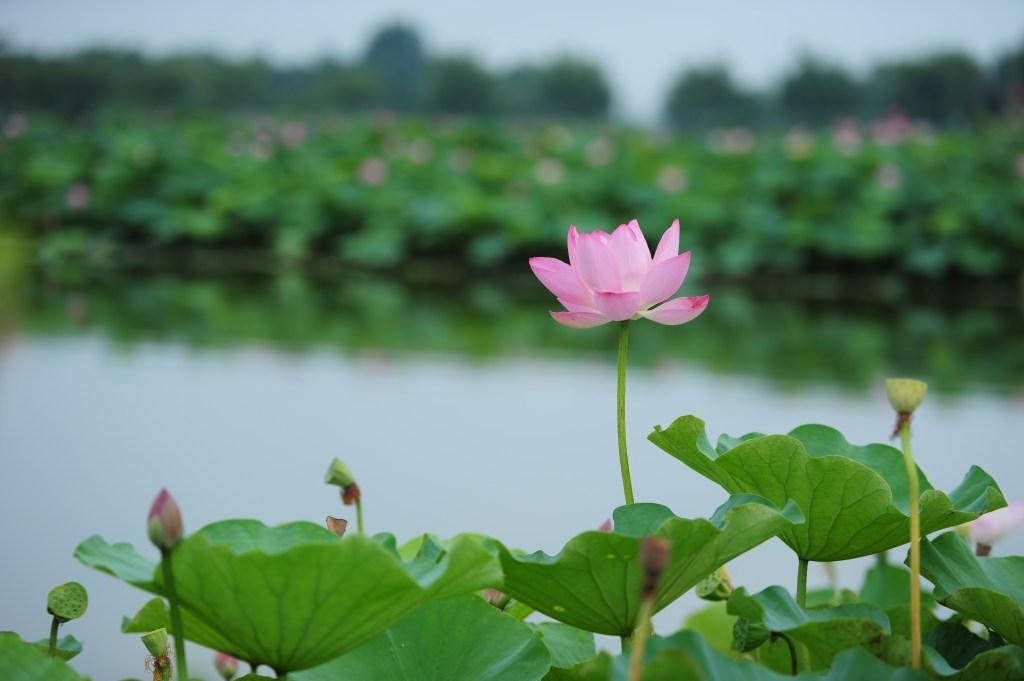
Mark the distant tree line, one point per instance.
(396, 72)
(947, 88)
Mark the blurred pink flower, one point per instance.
(549, 171)
(460, 160)
(612, 278)
(846, 136)
(293, 134)
(77, 196)
(373, 172)
(15, 126)
(799, 143)
(892, 129)
(991, 528)
(598, 152)
(733, 141)
(1019, 166)
(673, 179)
(888, 176)
(606, 526)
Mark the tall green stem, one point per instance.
(915, 545)
(54, 626)
(177, 630)
(627, 482)
(359, 515)
(640, 636)
(801, 584)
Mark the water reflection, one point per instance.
(954, 344)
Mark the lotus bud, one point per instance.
(164, 523)
(654, 556)
(340, 475)
(606, 526)
(497, 598)
(156, 642)
(905, 394)
(67, 602)
(747, 635)
(337, 525)
(226, 665)
(715, 587)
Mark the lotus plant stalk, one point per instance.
(905, 396)
(54, 627)
(614, 278)
(801, 583)
(165, 531)
(654, 556)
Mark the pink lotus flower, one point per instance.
(993, 527)
(164, 521)
(613, 278)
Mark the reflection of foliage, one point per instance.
(377, 192)
(789, 342)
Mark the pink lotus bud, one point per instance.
(226, 665)
(606, 526)
(164, 523)
(993, 527)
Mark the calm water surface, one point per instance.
(520, 446)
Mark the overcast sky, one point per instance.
(640, 44)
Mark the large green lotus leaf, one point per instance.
(295, 596)
(459, 639)
(23, 661)
(965, 655)
(855, 498)
(989, 590)
(823, 632)
(594, 582)
(155, 615)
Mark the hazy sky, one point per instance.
(640, 44)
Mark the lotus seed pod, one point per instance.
(67, 601)
(905, 394)
(339, 474)
(164, 522)
(226, 665)
(747, 635)
(156, 642)
(715, 587)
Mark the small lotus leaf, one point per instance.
(594, 582)
(855, 498)
(68, 601)
(989, 590)
(823, 632)
(294, 596)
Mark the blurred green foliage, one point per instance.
(383, 191)
(955, 344)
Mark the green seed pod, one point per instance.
(156, 642)
(339, 474)
(715, 587)
(68, 601)
(747, 635)
(905, 394)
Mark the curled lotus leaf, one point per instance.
(24, 661)
(295, 596)
(594, 582)
(855, 498)
(989, 590)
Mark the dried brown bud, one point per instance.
(337, 525)
(350, 494)
(654, 556)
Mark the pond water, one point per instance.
(457, 412)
